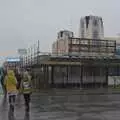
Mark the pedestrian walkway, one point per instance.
(63, 106)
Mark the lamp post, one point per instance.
(38, 47)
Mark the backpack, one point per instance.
(26, 85)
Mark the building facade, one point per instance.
(117, 39)
(61, 45)
(84, 46)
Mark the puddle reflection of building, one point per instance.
(11, 114)
(3, 103)
(27, 116)
(12, 117)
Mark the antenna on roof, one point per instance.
(70, 26)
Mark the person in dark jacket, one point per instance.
(2, 77)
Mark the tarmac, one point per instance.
(66, 104)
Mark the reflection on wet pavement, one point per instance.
(27, 116)
(47, 106)
(10, 115)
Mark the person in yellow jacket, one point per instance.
(10, 82)
(26, 89)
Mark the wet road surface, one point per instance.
(65, 106)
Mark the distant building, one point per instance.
(117, 39)
(112, 38)
(61, 45)
(91, 27)
(84, 46)
(91, 40)
(12, 63)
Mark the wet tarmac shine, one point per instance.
(65, 106)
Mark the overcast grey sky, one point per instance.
(23, 22)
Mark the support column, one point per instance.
(106, 84)
(46, 76)
(81, 77)
(72, 85)
(95, 74)
(39, 77)
(52, 76)
(35, 78)
(67, 76)
(62, 73)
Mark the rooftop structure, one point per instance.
(91, 27)
(84, 46)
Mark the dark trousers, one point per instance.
(27, 101)
(12, 99)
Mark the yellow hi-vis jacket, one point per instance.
(26, 84)
(10, 82)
